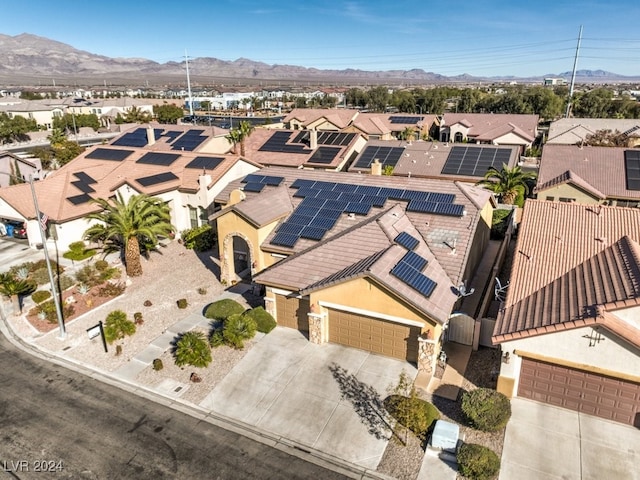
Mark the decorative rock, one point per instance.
(195, 378)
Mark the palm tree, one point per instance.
(192, 349)
(508, 183)
(233, 137)
(408, 134)
(13, 288)
(125, 226)
(56, 137)
(245, 129)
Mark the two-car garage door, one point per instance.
(374, 335)
(587, 392)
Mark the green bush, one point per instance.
(199, 239)
(40, 296)
(414, 413)
(182, 303)
(111, 290)
(78, 251)
(500, 223)
(216, 339)
(486, 409)
(263, 319)
(118, 326)
(88, 275)
(40, 276)
(65, 282)
(101, 265)
(157, 364)
(477, 461)
(238, 328)
(49, 310)
(223, 309)
(192, 349)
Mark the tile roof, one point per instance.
(447, 237)
(573, 178)
(570, 131)
(488, 126)
(601, 167)
(365, 250)
(306, 116)
(54, 191)
(572, 263)
(264, 209)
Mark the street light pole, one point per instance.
(43, 237)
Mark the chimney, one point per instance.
(151, 136)
(313, 139)
(204, 179)
(376, 167)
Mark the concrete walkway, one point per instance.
(457, 360)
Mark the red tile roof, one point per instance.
(488, 126)
(572, 263)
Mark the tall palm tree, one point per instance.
(233, 137)
(56, 137)
(126, 225)
(245, 129)
(507, 183)
(408, 134)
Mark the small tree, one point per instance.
(193, 349)
(117, 326)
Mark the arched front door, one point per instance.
(241, 257)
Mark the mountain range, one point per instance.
(32, 60)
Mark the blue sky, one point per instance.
(487, 38)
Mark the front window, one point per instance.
(193, 217)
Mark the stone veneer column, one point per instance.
(227, 245)
(270, 306)
(426, 355)
(316, 322)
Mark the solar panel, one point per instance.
(328, 194)
(386, 155)
(290, 228)
(323, 222)
(155, 179)
(313, 202)
(313, 233)
(414, 195)
(441, 197)
(449, 209)
(329, 213)
(306, 192)
(79, 199)
(407, 241)
(301, 182)
(367, 190)
(307, 211)
(253, 187)
(205, 163)
(632, 168)
(413, 277)
(157, 158)
(414, 260)
(350, 197)
(421, 206)
(359, 208)
(299, 219)
(279, 143)
(336, 204)
(273, 181)
(171, 135)
(137, 138)
(189, 140)
(325, 185)
(83, 187)
(474, 161)
(285, 239)
(374, 200)
(345, 187)
(84, 178)
(391, 193)
(113, 154)
(253, 178)
(405, 119)
(324, 155)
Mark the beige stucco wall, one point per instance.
(567, 190)
(479, 241)
(612, 355)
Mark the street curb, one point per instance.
(290, 447)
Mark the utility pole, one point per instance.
(573, 75)
(186, 59)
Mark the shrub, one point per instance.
(111, 290)
(238, 328)
(486, 409)
(40, 296)
(500, 223)
(477, 461)
(101, 265)
(216, 339)
(88, 275)
(202, 290)
(48, 308)
(65, 282)
(263, 319)
(223, 309)
(40, 276)
(147, 303)
(199, 239)
(118, 350)
(117, 326)
(137, 318)
(157, 364)
(192, 349)
(78, 251)
(182, 303)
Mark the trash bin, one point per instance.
(9, 230)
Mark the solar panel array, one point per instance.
(155, 179)
(278, 142)
(83, 184)
(326, 138)
(207, 163)
(157, 158)
(189, 140)
(409, 268)
(112, 154)
(79, 199)
(386, 155)
(405, 119)
(632, 168)
(324, 203)
(475, 161)
(324, 155)
(137, 138)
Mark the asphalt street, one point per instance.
(59, 424)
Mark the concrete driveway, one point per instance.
(14, 252)
(326, 397)
(546, 442)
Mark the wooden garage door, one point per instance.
(586, 392)
(292, 312)
(374, 335)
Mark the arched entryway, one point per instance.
(238, 260)
(241, 257)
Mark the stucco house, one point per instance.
(592, 175)
(368, 261)
(490, 128)
(574, 131)
(569, 327)
(12, 166)
(166, 161)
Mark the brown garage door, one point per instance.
(374, 335)
(292, 312)
(586, 392)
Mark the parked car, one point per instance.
(20, 232)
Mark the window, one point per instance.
(550, 199)
(458, 137)
(567, 200)
(627, 203)
(193, 217)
